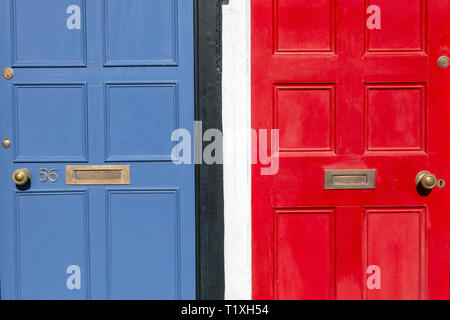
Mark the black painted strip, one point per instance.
(209, 178)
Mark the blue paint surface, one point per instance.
(108, 93)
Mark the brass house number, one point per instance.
(47, 175)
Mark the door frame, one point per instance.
(210, 272)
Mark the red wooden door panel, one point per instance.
(346, 97)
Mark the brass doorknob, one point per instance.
(21, 176)
(426, 180)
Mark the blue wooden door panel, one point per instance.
(106, 89)
(143, 216)
(63, 110)
(38, 38)
(154, 23)
(128, 103)
(48, 233)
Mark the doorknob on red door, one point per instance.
(426, 180)
(21, 176)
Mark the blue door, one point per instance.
(92, 207)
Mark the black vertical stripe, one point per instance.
(209, 178)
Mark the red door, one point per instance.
(361, 105)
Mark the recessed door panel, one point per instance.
(49, 239)
(128, 103)
(302, 233)
(48, 33)
(147, 37)
(399, 255)
(298, 30)
(306, 114)
(46, 116)
(406, 35)
(150, 218)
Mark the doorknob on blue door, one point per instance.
(21, 176)
(8, 73)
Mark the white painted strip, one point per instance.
(237, 149)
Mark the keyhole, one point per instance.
(441, 183)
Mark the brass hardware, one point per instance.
(21, 176)
(6, 143)
(426, 180)
(46, 175)
(8, 73)
(443, 62)
(441, 183)
(97, 175)
(350, 179)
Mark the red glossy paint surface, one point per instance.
(345, 97)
